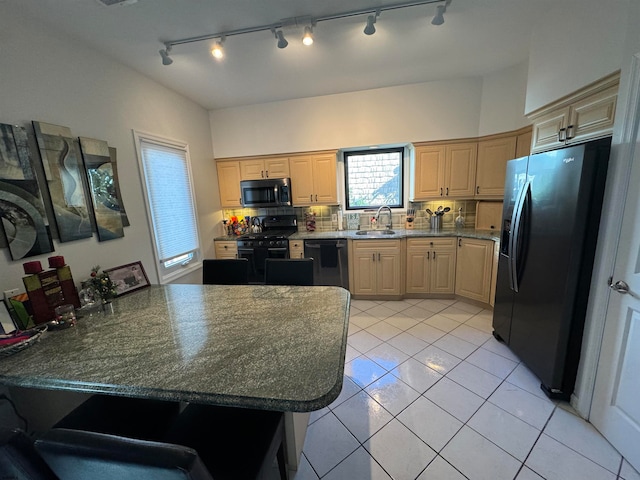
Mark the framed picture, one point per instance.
(128, 278)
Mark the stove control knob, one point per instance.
(260, 243)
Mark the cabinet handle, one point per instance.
(478, 190)
(225, 247)
(434, 255)
(373, 257)
(316, 197)
(378, 256)
(459, 242)
(262, 173)
(570, 132)
(441, 191)
(311, 198)
(562, 135)
(428, 255)
(266, 173)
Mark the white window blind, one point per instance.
(170, 199)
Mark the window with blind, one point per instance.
(166, 175)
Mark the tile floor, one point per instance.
(430, 394)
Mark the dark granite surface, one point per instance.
(268, 347)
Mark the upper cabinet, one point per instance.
(314, 179)
(444, 170)
(493, 156)
(258, 168)
(584, 115)
(229, 183)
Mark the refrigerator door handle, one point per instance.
(512, 234)
(516, 232)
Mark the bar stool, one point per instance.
(288, 271)
(225, 271)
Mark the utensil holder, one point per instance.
(436, 222)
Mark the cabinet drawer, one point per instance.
(226, 249)
(429, 243)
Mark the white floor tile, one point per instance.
(456, 314)
(408, 343)
(475, 379)
(439, 469)
(318, 414)
(442, 323)
(457, 400)
(479, 459)
(500, 348)
(528, 474)
(363, 319)
(481, 322)
(383, 330)
(397, 305)
(351, 353)
(446, 301)
(467, 307)
(491, 362)
(353, 328)
(392, 393)
(349, 389)
(433, 306)
(387, 356)
(426, 332)
(304, 472)
(363, 371)
(416, 455)
(455, 346)
(437, 359)
(364, 304)
(627, 472)
(362, 415)
(508, 432)
(523, 378)
(418, 312)
(381, 312)
(582, 437)
(470, 334)
(402, 321)
(322, 454)
(431, 423)
(554, 461)
(357, 465)
(416, 374)
(527, 407)
(363, 341)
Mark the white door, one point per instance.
(616, 403)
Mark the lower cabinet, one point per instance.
(296, 249)
(474, 265)
(376, 267)
(431, 265)
(226, 249)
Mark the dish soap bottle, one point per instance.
(459, 219)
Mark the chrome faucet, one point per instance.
(388, 225)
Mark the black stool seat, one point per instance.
(288, 271)
(225, 271)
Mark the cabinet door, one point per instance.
(491, 169)
(225, 249)
(296, 249)
(252, 169)
(364, 270)
(325, 179)
(593, 116)
(418, 276)
(546, 129)
(443, 265)
(523, 144)
(301, 169)
(473, 269)
(276, 167)
(229, 183)
(460, 171)
(388, 273)
(429, 172)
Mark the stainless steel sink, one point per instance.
(375, 233)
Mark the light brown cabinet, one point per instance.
(493, 156)
(431, 265)
(296, 249)
(444, 171)
(257, 168)
(314, 179)
(474, 264)
(584, 115)
(375, 267)
(226, 249)
(229, 183)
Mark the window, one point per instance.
(374, 178)
(166, 175)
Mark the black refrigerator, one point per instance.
(550, 219)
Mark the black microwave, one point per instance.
(271, 192)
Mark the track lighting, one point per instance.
(370, 29)
(218, 50)
(438, 18)
(282, 42)
(166, 59)
(307, 38)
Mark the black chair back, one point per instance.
(289, 271)
(19, 459)
(225, 271)
(82, 455)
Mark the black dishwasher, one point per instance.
(330, 261)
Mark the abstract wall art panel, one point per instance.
(24, 222)
(63, 172)
(102, 188)
(116, 181)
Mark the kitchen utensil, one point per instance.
(439, 209)
(446, 209)
(429, 212)
(436, 222)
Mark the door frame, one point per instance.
(625, 132)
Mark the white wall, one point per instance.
(50, 78)
(577, 43)
(408, 113)
(503, 98)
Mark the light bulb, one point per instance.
(307, 38)
(217, 51)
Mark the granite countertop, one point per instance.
(399, 233)
(267, 347)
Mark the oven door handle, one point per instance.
(277, 249)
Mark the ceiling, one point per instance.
(478, 37)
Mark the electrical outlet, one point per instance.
(11, 293)
(334, 217)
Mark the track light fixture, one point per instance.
(164, 53)
(218, 50)
(308, 22)
(307, 38)
(370, 29)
